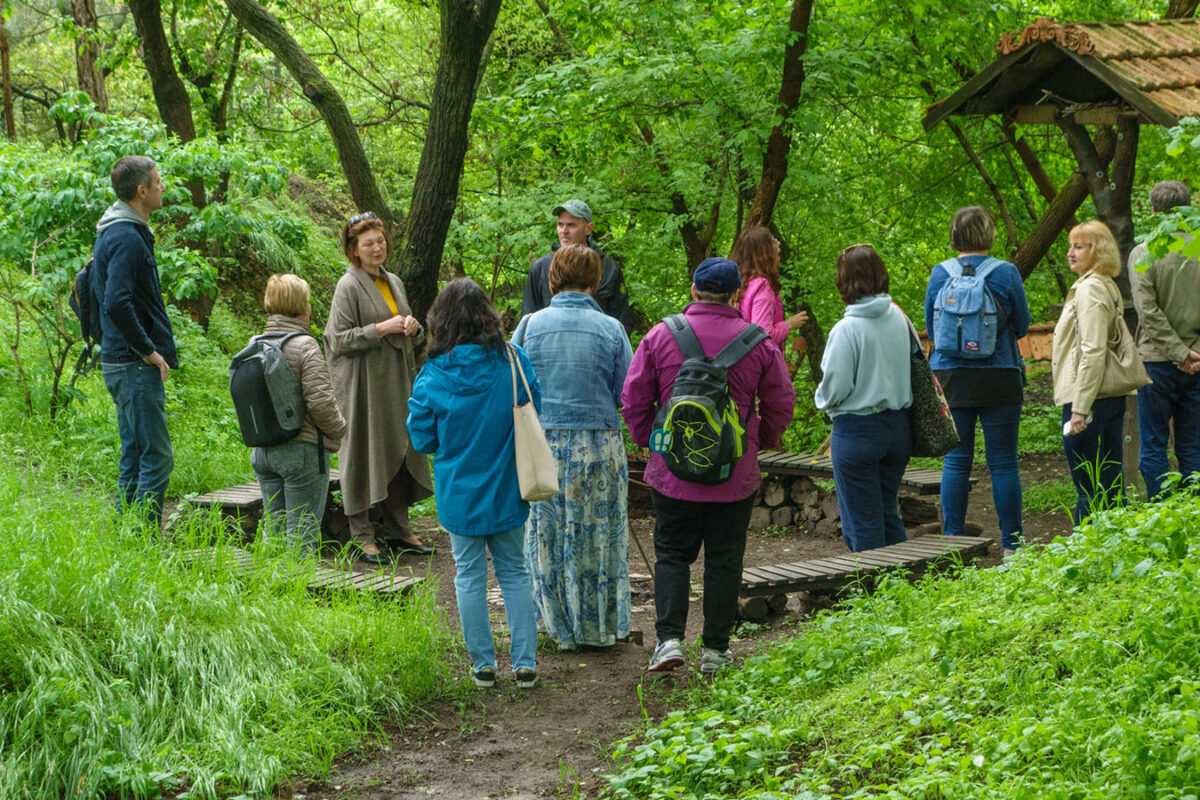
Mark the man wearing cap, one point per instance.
(690, 515)
(575, 227)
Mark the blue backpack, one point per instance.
(966, 316)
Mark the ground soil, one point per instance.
(550, 742)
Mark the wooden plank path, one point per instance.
(322, 580)
(238, 500)
(924, 481)
(836, 572)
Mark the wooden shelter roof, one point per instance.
(1091, 69)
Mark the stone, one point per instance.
(915, 510)
(777, 603)
(828, 529)
(802, 489)
(929, 528)
(754, 609)
(773, 493)
(829, 507)
(760, 517)
(783, 516)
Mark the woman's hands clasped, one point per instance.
(400, 323)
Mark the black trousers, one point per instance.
(680, 528)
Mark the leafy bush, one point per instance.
(1072, 674)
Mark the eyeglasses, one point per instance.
(357, 218)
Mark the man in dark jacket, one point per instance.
(137, 350)
(575, 227)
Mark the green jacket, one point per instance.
(1167, 298)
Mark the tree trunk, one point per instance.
(170, 95)
(466, 28)
(779, 144)
(697, 242)
(87, 52)
(325, 98)
(10, 120)
(1111, 188)
(1060, 214)
(1181, 9)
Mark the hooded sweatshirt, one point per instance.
(133, 317)
(866, 361)
(461, 410)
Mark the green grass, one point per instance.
(124, 671)
(1049, 496)
(1073, 674)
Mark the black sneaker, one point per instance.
(526, 678)
(484, 678)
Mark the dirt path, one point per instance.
(550, 742)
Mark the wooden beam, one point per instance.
(1126, 89)
(1045, 115)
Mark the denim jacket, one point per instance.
(580, 356)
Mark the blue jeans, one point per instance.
(295, 486)
(870, 453)
(1174, 395)
(1094, 457)
(146, 455)
(1000, 426)
(470, 587)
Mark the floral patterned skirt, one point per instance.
(577, 547)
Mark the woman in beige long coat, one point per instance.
(373, 342)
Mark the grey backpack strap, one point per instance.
(741, 345)
(685, 337)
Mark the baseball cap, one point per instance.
(717, 275)
(576, 208)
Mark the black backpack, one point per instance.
(87, 310)
(266, 393)
(699, 432)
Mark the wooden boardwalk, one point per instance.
(836, 572)
(322, 580)
(924, 481)
(239, 500)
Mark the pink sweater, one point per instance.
(763, 307)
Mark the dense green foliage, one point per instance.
(1071, 674)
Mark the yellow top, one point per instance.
(386, 291)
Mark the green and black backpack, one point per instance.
(699, 432)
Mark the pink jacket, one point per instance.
(760, 305)
(762, 374)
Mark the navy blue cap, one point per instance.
(717, 275)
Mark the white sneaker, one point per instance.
(714, 660)
(1009, 554)
(667, 656)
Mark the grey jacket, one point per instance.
(1167, 298)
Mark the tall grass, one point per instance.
(1072, 674)
(124, 670)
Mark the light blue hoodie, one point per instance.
(866, 361)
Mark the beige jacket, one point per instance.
(1166, 295)
(304, 356)
(1081, 340)
(373, 380)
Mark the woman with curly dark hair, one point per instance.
(461, 410)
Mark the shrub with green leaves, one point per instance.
(1073, 674)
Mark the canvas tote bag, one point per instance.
(537, 472)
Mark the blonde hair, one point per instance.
(286, 294)
(574, 267)
(1100, 240)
